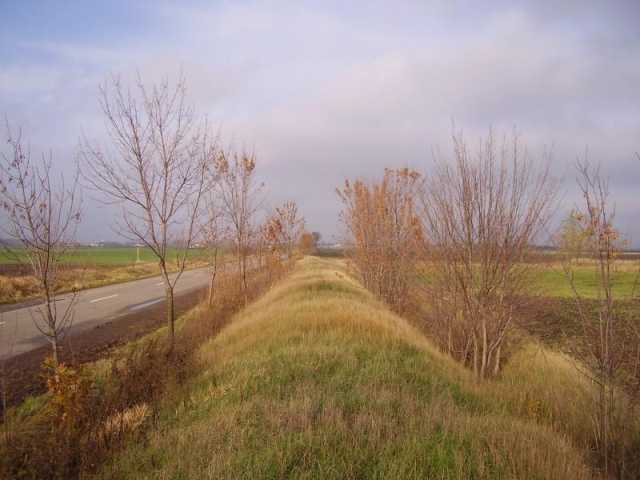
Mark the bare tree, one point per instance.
(157, 174)
(214, 235)
(270, 246)
(480, 217)
(571, 238)
(241, 199)
(43, 212)
(383, 225)
(291, 226)
(606, 346)
(307, 243)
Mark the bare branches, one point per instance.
(42, 215)
(240, 195)
(605, 348)
(289, 226)
(480, 216)
(157, 171)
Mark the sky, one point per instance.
(328, 90)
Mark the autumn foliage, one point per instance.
(468, 227)
(383, 225)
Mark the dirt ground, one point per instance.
(24, 370)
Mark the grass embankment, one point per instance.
(319, 380)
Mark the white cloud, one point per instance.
(326, 91)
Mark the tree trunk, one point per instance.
(485, 350)
(239, 255)
(170, 317)
(604, 427)
(496, 366)
(475, 356)
(52, 334)
(212, 280)
(245, 287)
(54, 348)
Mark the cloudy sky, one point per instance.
(322, 90)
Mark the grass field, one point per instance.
(549, 279)
(118, 256)
(85, 268)
(319, 380)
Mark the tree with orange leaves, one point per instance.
(385, 231)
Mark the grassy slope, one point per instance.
(318, 380)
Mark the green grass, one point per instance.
(552, 281)
(319, 380)
(98, 256)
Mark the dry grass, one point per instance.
(318, 379)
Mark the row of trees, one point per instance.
(469, 227)
(173, 183)
(469, 230)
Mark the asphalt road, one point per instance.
(95, 306)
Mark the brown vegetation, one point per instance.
(383, 224)
(289, 226)
(471, 224)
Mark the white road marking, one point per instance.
(158, 284)
(146, 304)
(103, 298)
(2, 323)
